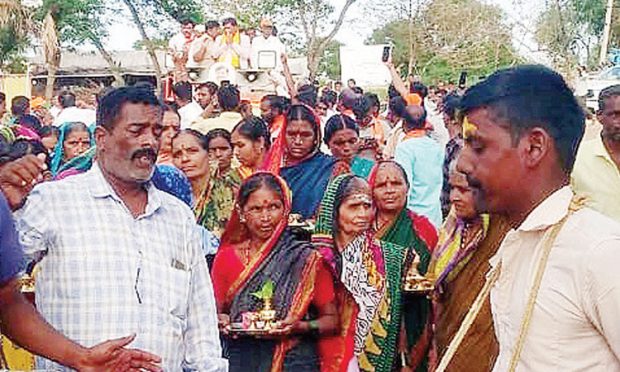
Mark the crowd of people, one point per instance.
(199, 51)
(165, 224)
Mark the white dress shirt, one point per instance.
(575, 322)
(177, 42)
(272, 43)
(105, 274)
(189, 113)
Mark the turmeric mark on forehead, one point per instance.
(469, 129)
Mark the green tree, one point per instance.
(441, 38)
(152, 12)
(16, 31)
(181, 10)
(570, 31)
(330, 63)
(82, 21)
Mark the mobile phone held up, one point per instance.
(463, 79)
(387, 51)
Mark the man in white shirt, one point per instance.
(70, 113)
(178, 49)
(189, 110)
(265, 46)
(117, 255)
(202, 48)
(522, 130)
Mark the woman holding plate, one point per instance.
(259, 252)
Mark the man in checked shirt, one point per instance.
(118, 256)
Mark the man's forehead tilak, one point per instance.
(469, 128)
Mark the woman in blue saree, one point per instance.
(295, 155)
(74, 151)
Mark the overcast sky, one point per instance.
(520, 15)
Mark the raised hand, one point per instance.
(17, 178)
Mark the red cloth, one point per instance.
(278, 124)
(227, 267)
(337, 351)
(425, 230)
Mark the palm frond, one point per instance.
(9, 9)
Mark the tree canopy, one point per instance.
(444, 37)
(570, 31)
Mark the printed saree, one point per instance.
(217, 202)
(370, 301)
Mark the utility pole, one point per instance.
(606, 32)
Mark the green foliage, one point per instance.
(15, 32)
(161, 44)
(590, 13)
(266, 292)
(183, 9)
(330, 62)
(12, 42)
(15, 64)
(449, 36)
(571, 30)
(77, 21)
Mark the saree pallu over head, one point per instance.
(307, 178)
(417, 235)
(337, 351)
(408, 229)
(453, 252)
(78, 164)
(370, 274)
(288, 262)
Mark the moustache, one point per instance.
(150, 154)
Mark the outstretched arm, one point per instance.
(24, 325)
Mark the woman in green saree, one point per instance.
(396, 225)
(214, 187)
(368, 293)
